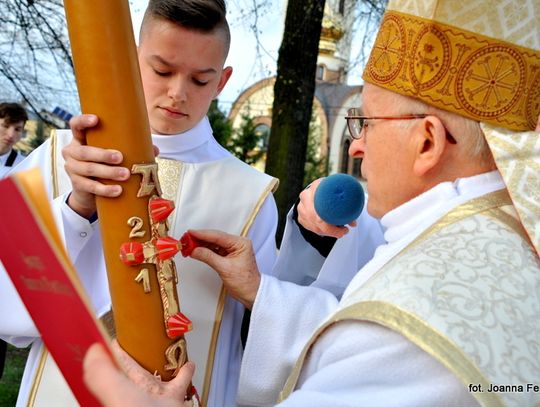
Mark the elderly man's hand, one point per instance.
(113, 389)
(308, 218)
(85, 163)
(233, 259)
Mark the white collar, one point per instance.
(432, 204)
(182, 142)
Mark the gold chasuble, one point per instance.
(465, 292)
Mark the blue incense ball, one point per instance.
(339, 199)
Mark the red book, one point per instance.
(35, 259)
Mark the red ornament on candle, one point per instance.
(131, 253)
(178, 325)
(189, 243)
(166, 247)
(160, 209)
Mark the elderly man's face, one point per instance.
(386, 151)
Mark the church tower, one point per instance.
(335, 42)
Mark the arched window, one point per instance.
(262, 132)
(356, 163)
(344, 167)
(341, 9)
(348, 164)
(320, 72)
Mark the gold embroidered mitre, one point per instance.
(480, 59)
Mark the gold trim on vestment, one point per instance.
(414, 329)
(512, 222)
(272, 186)
(37, 377)
(213, 343)
(56, 191)
(518, 159)
(484, 203)
(54, 164)
(473, 75)
(169, 174)
(107, 322)
(404, 322)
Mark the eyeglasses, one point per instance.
(356, 122)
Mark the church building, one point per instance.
(332, 94)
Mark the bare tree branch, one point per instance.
(35, 59)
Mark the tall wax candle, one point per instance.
(142, 277)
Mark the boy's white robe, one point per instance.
(83, 242)
(3, 159)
